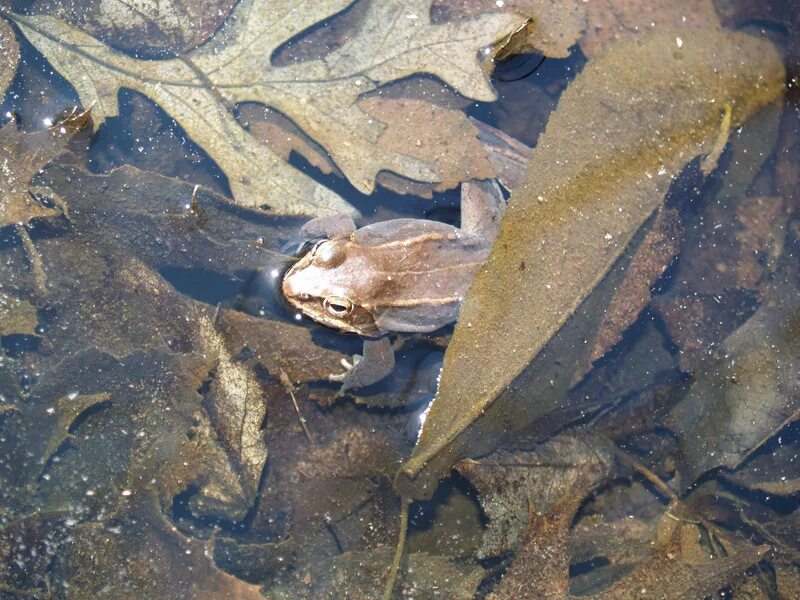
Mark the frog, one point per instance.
(398, 276)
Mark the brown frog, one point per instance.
(401, 275)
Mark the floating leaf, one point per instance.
(396, 39)
(622, 132)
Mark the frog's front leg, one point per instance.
(376, 363)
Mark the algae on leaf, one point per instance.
(396, 39)
(624, 129)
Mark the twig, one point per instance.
(287, 384)
(647, 474)
(35, 259)
(388, 591)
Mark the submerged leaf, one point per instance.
(17, 316)
(448, 140)
(396, 39)
(144, 557)
(752, 390)
(509, 483)
(609, 21)
(22, 156)
(622, 132)
(9, 55)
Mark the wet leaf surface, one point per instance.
(752, 390)
(199, 89)
(561, 221)
(611, 21)
(512, 484)
(148, 28)
(22, 156)
(166, 424)
(9, 51)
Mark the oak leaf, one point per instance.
(396, 39)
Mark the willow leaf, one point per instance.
(622, 131)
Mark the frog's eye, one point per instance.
(336, 306)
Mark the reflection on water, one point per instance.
(164, 411)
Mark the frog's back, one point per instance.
(424, 268)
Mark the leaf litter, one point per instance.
(395, 40)
(161, 413)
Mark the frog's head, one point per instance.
(322, 285)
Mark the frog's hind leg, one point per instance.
(482, 207)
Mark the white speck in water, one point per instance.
(48, 122)
(72, 395)
(126, 493)
(274, 273)
(297, 316)
(50, 410)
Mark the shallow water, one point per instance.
(167, 428)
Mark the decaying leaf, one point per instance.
(283, 136)
(448, 140)
(17, 316)
(622, 132)
(555, 24)
(609, 21)
(396, 39)
(652, 258)
(752, 390)
(9, 55)
(509, 483)
(22, 156)
(236, 403)
(722, 275)
(148, 27)
(143, 555)
(678, 570)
